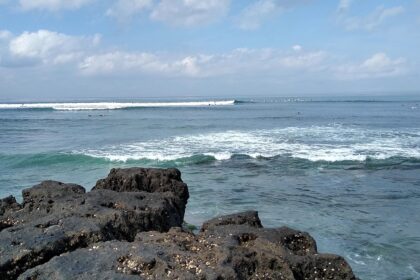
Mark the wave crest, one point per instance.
(328, 144)
(115, 105)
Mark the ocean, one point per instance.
(346, 169)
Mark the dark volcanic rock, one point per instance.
(55, 218)
(7, 204)
(249, 218)
(49, 190)
(129, 227)
(238, 248)
(145, 179)
(150, 180)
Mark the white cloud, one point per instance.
(114, 62)
(297, 48)
(5, 34)
(190, 12)
(306, 60)
(252, 16)
(344, 5)
(236, 62)
(243, 63)
(189, 65)
(53, 5)
(52, 49)
(48, 47)
(123, 10)
(378, 65)
(136, 63)
(370, 22)
(185, 13)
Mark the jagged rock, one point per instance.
(237, 248)
(249, 218)
(55, 218)
(145, 179)
(130, 227)
(7, 204)
(152, 180)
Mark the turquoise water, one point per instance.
(346, 170)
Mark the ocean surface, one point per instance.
(347, 170)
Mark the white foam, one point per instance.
(114, 105)
(220, 156)
(328, 143)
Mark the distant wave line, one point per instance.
(49, 159)
(310, 100)
(114, 105)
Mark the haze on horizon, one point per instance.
(75, 49)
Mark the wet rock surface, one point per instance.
(129, 227)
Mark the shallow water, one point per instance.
(345, 170)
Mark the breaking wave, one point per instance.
(328, 144)
(114, 105)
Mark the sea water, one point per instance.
(347, 170)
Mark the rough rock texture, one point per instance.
(129, 227)
(145, 179)
(55, 218)
(246, 218)
(232, 247)
(7, 204)
(150, 180)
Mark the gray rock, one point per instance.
(221, 251)
(145, 179)
(55, 218)
(249, 218)
(130, 227)
(7, 204)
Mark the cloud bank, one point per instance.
(369, 22)
(53, 5)
(86, 57)
(253, 15)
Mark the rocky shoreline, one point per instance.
(130, 227)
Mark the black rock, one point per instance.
(55, 218)
(7, 204)
(150, 180)
(145, 179)
(249, 218)
(130, 227)
(228, 251)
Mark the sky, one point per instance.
(80, 49)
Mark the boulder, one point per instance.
(137, 179)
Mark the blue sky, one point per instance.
(64, 49)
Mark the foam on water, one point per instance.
(327, 143)
(113, 105)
